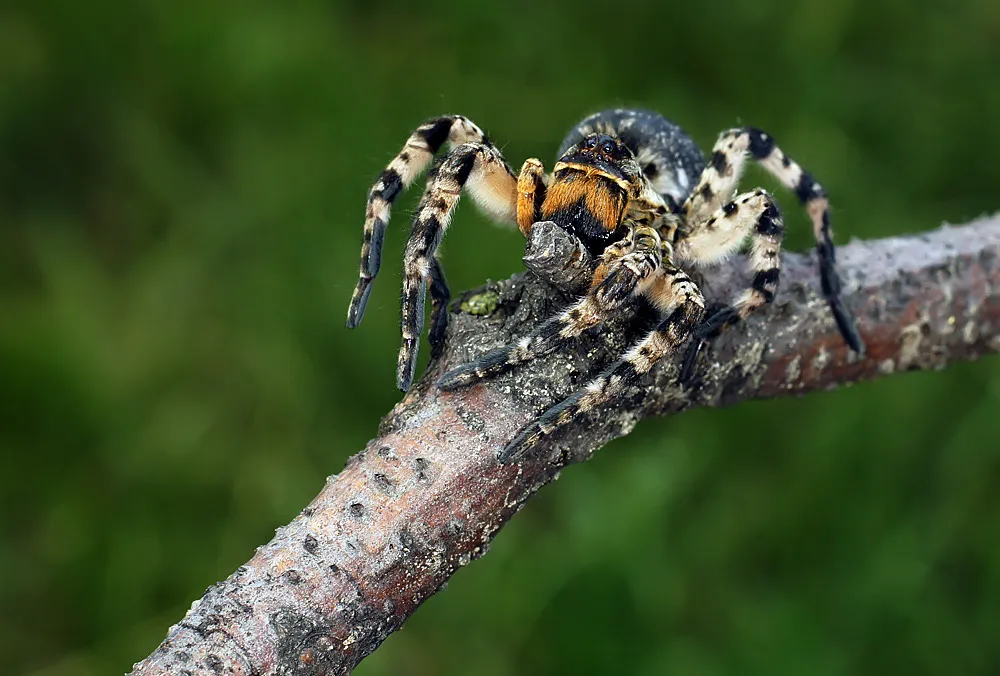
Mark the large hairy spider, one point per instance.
(636, 191)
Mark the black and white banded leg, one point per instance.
(618, 278)
(720, 179)
(412, 160)
(752, 215)
(478, 168)
(682, 304)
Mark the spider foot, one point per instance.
(358, 302)
(830, 283)
(719, 317)
(440, 295)
(551, 420)
(407, 364)
(471, 373)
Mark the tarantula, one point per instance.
(636, 191)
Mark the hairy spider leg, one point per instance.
(718, 184)
(674, 294)
(754, 215)
(624, 270)
(440, 295)
(478, 168)
(412, 160)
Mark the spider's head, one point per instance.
(603, 155)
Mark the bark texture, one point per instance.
(427, 495)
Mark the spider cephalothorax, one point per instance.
(637, 192)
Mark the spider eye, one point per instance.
(608, 147)
(591, 142)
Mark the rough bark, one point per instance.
(427, 495)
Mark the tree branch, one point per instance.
(427, 495)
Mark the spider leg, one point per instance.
(478, 168)
(754, 214)
(624, 270)
(718, 184)
(411, 161)
(681, 302)
(440, 295)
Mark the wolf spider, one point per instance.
(637, 192)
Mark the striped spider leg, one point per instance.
(473, 164)
(709, 238)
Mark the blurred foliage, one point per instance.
(181, 192)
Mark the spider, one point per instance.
(638, 194)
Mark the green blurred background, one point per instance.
(181, 192)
